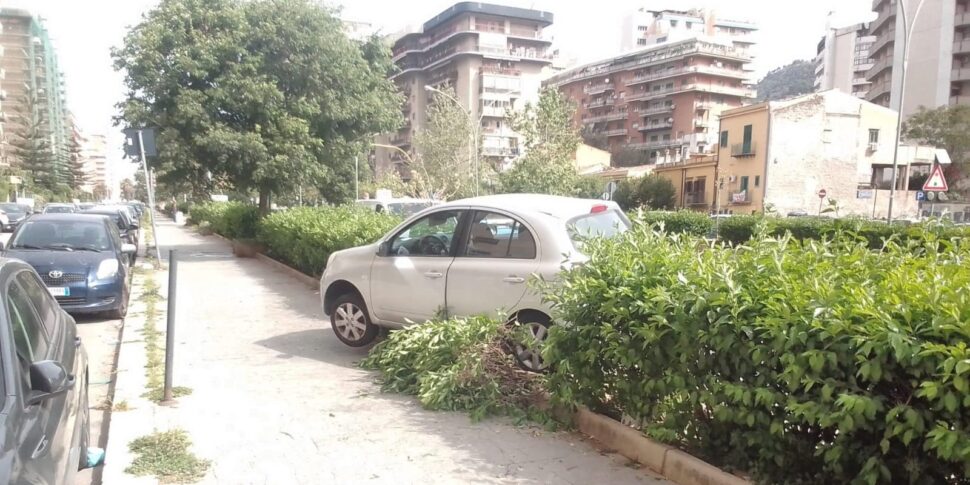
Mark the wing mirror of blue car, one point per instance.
(48, 379)
(128, 248)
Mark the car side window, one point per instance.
(115, 236)
(29, 336)
(494, 235)
(45, 305)
(430, 236)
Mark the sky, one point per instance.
(85, 30)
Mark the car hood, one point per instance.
(353, 258)
(66, 261)
(16, 216)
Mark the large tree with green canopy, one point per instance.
(265, 94)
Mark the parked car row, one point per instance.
(461, 258)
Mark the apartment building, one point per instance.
(491, 56)
(938, 70)
(662, 99)
(30, 79)
(646, 27)
(94, 155)
(843, 59)
(781, 153)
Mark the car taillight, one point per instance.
(599, 208)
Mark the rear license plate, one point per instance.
(60, 291)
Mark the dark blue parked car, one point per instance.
(81, 259)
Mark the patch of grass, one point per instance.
(121, 406)
(166, 456)
(155, 394)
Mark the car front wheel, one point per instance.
(529, 335)
(351, 323)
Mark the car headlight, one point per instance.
(107, 269)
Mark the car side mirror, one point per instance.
(128, 248)
(384, 248)
(48, 379)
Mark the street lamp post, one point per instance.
(473, 146)
(907, 33)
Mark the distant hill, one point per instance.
(784, 82)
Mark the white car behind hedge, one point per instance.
(467, 257)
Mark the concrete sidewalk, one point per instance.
(278, 399)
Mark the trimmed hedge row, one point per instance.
(741, 228)
(304, 237)
(797, 361)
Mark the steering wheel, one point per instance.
(432, 246)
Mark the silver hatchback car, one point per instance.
(467, 257)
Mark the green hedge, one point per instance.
(797, 361)
(306, 237)
(233, 220)
(741, 228)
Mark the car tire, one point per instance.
(534, 329)
(120, 312)
(350, 321)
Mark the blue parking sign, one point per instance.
(920, 195)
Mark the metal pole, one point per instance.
(170, 324)
(907, 32)
(820, 199)
(356, 177)
(151, 198)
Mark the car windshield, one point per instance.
(601, 224)
(14, 208)
(58, 209)
(114, 216)
(62, 236)
(407, 208)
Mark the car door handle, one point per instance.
(433, 275)
(514, 279)
(41, 447)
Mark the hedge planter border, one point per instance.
(671, 463)
(246, 250)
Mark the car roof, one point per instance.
(67, 217)
(552, 205)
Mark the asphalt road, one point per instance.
(100, 339)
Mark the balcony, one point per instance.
(884, 40)
(612, 116)
(702, 123)
(884, 16)
(645, 95)
(713, 88)
(713, 70)
(877, 90)
(613, 132)
(598, 88)
(961, 19)
(960, 74)
(501, 71)
(493, 111)
(960, 99)
(663, 125)
(667, 108)
(739, 198)
(695, 199)
(743, 150)
(599, 103)
(880, 66)
(961, 46)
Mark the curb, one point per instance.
(671, 463)
(302, 277)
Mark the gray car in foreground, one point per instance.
(43, 386)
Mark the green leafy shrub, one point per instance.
(233, 220)
(737, 229)
(457, 364)
(798, 361)
(652, 191)
(686, 222)
(306, 237)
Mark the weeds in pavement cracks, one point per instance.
(166, 455)
(121, 406)
(163, 454)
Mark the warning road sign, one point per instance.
(936, 181)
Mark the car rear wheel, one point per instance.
(528, 337)
(350, 321)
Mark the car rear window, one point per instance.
(600, 224)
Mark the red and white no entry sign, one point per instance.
(822, 193)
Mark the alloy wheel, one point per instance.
(350, 321)
(528, 347)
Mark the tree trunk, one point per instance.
(264, 202)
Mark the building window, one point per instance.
(724, 139)
(744, 183)
(641, 41)
(746, 141)
(642, 28)
(873, 136)
(653, 138)
(757, 180)
(673, 23)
